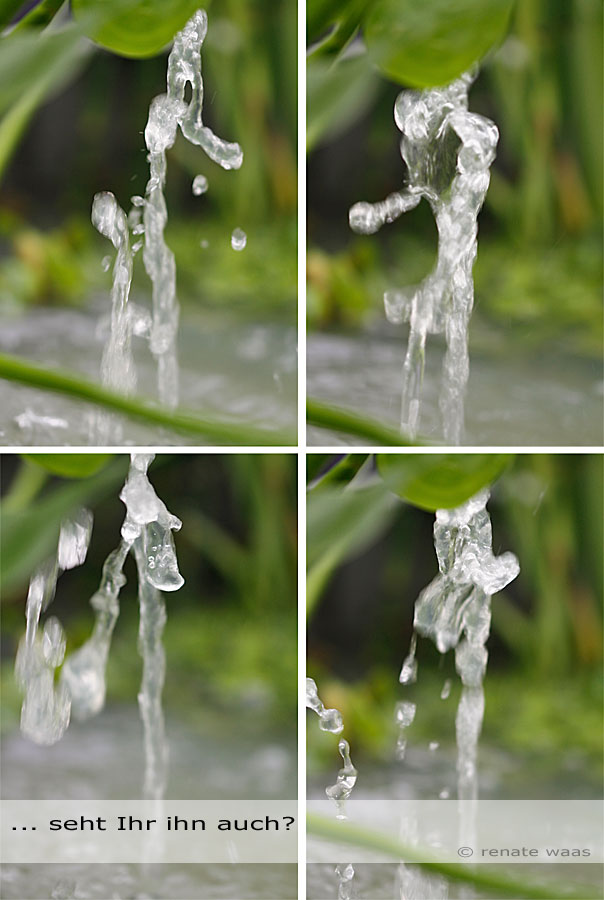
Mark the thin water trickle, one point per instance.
(347, 777)
(448, 151)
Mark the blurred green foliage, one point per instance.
(539, 269)
(231, 637)
(543, 684)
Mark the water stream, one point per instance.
(46, 710)
(331, 720)
(448, 151)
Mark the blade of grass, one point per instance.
(71, 385)
(480, 876)
(345, 422)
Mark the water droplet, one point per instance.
(433, 745)
(105, 263)
(238, 239)
(204, 244)
(200, 185)
(446, 690)
(444, 794)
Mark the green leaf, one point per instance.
(336, 94)
(70, 465)
(28, 536)
(137, 28)
(63, 57)
(30, 59)
(424, 43)
(340, 523)
(323, 468)
(440, 481)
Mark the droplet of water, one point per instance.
(238, 239)
(446, 689)
(433, 745)
(200, 185)
(105, 263)
(204, 244)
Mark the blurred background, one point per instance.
(231, 634)
(538, 273)
(84, 134)
(543, 717)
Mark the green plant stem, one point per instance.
(335, 419)
(480, 876)
(71, 385)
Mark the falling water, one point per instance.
(149, 217)
(455, 612)
(448, 151)
(147, 532)
(331, 720)
(46, 710)
(166, 113)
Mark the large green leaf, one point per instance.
(136, 28)
(430, 42)
(70, 465)
(440, 481)
(30, 535)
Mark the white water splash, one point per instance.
(454, 610)
(117, 364)
(448, 151)
(347, 778)
(329, 719)
(46, 709)
(167, 113)
(147, 532)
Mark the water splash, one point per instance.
(404, 714)
(347, 778)
(46, 709)
(448, 151)
(454, 611)
(149, 216)
(147, 533)
(117, 364)
(166, 113)
(329, 719)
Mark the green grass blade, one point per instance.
(480, 876)
(71, 385)
(344, 422)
